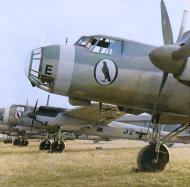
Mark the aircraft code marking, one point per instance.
(48, 70)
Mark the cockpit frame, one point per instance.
(102, 44)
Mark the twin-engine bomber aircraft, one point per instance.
(134, 76)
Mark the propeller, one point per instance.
(168, 39)
(32, 115)
(170, 58)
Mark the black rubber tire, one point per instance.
(45, 145)
(16, 141)
(146, 159)
(25, 142)
(57, 147)
(7, 141)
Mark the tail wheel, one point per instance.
(150, 161)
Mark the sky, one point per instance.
(28, 24)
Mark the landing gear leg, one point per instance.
(58, 145)
(155, 156)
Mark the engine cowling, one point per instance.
(185, 75)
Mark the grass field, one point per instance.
(82, 165)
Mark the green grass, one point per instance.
(82, 165)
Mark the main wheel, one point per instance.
(16, 141)
(7, 141)
(45, 145)
(57, 147)
(24, 142)
(150, 161)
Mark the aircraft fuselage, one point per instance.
(124, 77)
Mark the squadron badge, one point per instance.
(105, 72)
(18, 115)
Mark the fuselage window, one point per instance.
(48, 112)
(107, 46)
(20, 108)
(84, 41)
(101, 45)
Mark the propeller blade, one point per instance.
(35, 108)
(100, 107)
(164, 79)
(47, 104)
(166, 26)
(182, 53)
(32, 125)
(184, 24)
(33, 114)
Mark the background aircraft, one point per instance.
(15, 122)
(134, 76)
(86, 123)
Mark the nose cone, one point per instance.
(27, 64)
(162, 58)
(155, 57)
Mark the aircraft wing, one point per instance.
(92, 113)
(168, 118)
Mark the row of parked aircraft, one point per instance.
(86, 122)
(130, 76)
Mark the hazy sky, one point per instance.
(27, 24)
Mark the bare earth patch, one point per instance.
(82, 165)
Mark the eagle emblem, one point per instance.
(105, 72)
